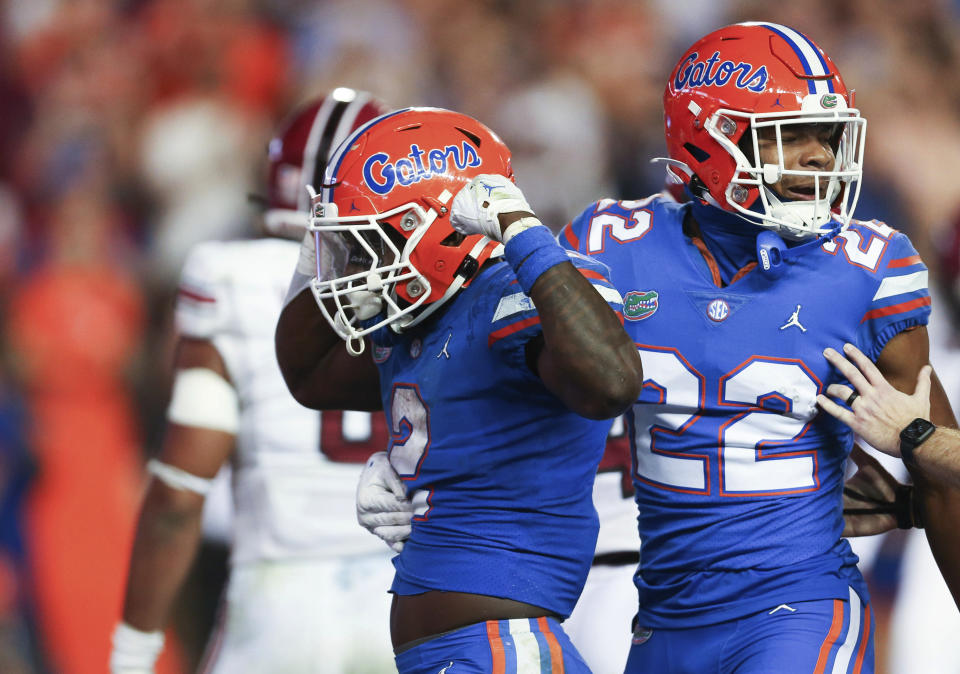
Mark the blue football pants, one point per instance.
(518, 646)
(832, 636)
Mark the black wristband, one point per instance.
(903, 506)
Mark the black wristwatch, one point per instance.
(911, 437)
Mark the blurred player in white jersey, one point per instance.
(600, 625)
(307, 585)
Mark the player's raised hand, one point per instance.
(873, 500)
(477, 207)
(874, 410)
(383, 508)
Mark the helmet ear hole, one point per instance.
(746, 145)
(396, 238)
(697, 153)
(453, 240)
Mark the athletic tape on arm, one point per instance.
(176, 478)
(204, 399)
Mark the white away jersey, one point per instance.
(291, 499)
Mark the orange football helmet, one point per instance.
(387, 254)
(746, 77)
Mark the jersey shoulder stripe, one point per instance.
(200, 297)
(901, 276)
(891, 286)
(515, 311)
(908, 261)
(897, 309)
(899, 290)
(188, 294)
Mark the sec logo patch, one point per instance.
(718, 310)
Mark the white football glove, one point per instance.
(477, 205)
(383, 508)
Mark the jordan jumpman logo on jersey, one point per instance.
(444, 351)
(794, 320)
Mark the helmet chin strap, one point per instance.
(733, 240)
(808, 217)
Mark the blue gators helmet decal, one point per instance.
(696, 72)
(382, 173)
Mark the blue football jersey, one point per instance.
(738, 475)
(499, 470)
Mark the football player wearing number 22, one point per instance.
(732, 298)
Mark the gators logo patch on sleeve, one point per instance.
(638, 304)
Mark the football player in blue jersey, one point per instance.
(499, 359)
(731, 299)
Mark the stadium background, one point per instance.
(130, 130)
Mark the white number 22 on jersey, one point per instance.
(756, 391)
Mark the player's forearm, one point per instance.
(594, 362)
(302, 339)
(941, 512)
(167, 537)
(941, 500)
(316, 367)
(939, 457)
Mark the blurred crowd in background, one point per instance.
(130, 130)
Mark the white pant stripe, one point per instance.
(527, 646)
(845, 652)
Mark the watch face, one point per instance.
(917, 430)
(913, 435)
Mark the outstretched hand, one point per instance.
(878, 411)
